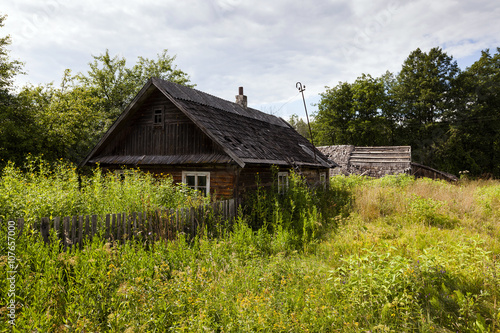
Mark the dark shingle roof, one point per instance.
(183, 93)
(251, 135)
(246, 135)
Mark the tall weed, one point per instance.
(43, 190)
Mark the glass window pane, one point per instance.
(202, 181)
(191, 181)
(157, 116)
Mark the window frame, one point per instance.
(196, 174)
(282, 188)
(160, 114)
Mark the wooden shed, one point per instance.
(369, 161)
(213, 145)
(379, 161)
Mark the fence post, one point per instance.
(87, 227)
(80, 231)
(74, 225)
(107, 227)
(134, 225)
(118, 226)
(124, 226)
(20, 226)
(45, 229)
(94, 225)
(65, 232)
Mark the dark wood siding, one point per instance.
(222, 178)
(247, 180)
(175, 135)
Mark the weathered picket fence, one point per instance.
(162, 224)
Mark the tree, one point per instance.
(15, 124)
(474, 142)
(8, 68)
(116, 85)
(300, 126)
(69, 119)
(353, 113)
(425, 100)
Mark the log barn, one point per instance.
(211, 144)
(379, 161)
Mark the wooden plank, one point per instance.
(124, 226)
(80, 231)
(192, 220)
(74, 225)
(87, 227)
(134, 225)
(45, 229)
(106, 235)
(20, 226)
(140, 226)
(94, 225)
(118, 226)
(113, 228)
(57, 226)
(177, 222)
(128, 221)
(65, 232)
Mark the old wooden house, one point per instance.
(210, 144)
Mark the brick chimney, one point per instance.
(241, 99)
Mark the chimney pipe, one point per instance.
(241, 99)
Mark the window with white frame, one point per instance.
(197, 180)
(282, 182)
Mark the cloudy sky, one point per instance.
(264, 46)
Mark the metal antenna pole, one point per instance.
(301, 88)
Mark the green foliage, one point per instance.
(351, 113)
(474, 131)
(15, 129)
(70, 111)
(116, 85)
(449, 117)
(43, 190)
(8, 68)
(67, 121)
(386, 274)
(297, 215)
(300, 126)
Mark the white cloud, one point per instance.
(264, 46)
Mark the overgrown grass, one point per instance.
(404, 256)
(42, 190)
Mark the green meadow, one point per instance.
(388, 255)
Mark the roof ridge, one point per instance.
(184, 93)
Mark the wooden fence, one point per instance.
(162, 224)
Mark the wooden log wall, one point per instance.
(222, 178)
